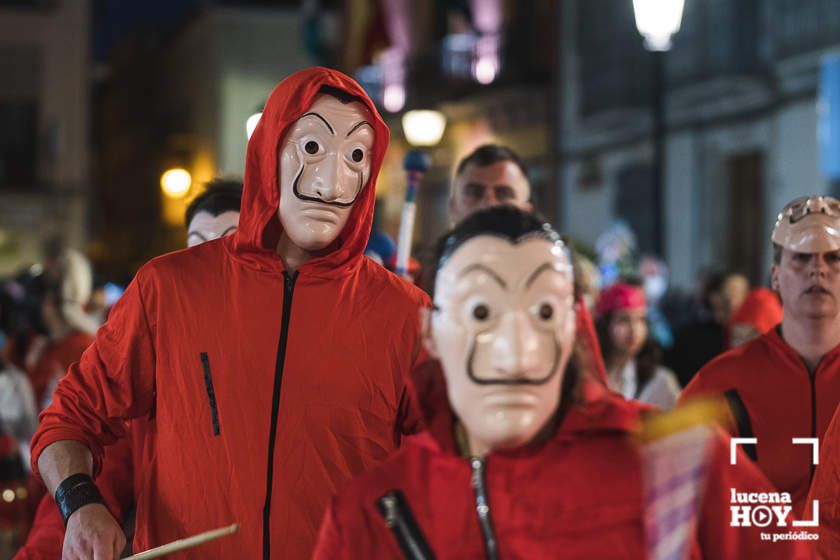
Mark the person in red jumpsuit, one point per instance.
(270, 363)
(785, 384)
(526, 453)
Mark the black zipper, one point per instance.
(482, 507)
(400, 520)
(288, 289)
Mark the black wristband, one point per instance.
(75, 491)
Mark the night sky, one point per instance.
(114, 19)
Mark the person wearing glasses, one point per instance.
(786, 383)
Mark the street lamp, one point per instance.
(251, 123)
(423, 127)
(658, 21)
(175, 182)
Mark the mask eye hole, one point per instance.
(545, 312)
(311, 147)
(481, 312)
(357, 155)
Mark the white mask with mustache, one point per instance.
(325, 162)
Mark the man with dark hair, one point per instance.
(491, 175)
(705, 337)
(214, 213)
(786, 384)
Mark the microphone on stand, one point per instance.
(415, 164)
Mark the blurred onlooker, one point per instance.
(489, 176)
(654, 273)
(633, 358)
(18, 411)
(760, 311)
(706, 336)
(18, 421)
(617, 251)
(51, 330)
(67, 328)
(731, 295)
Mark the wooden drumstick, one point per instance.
(181, 544)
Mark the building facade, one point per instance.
(181, 99)
(44, 127)
(741, 110)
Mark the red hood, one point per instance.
(259, 230)
(761, 309)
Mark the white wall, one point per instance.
(255, 50)
(696, 197)
(709, 124)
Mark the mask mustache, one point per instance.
(515, 381)
(307, 198)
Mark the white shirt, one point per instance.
(661, 391)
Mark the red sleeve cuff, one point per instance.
(47, 436)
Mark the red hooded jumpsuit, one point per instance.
(265, 390)
(577, 496)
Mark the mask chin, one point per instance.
(502, 430)
(311, 236)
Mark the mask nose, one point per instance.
(515, 346)
(325, 183)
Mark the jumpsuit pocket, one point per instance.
(211, 395)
